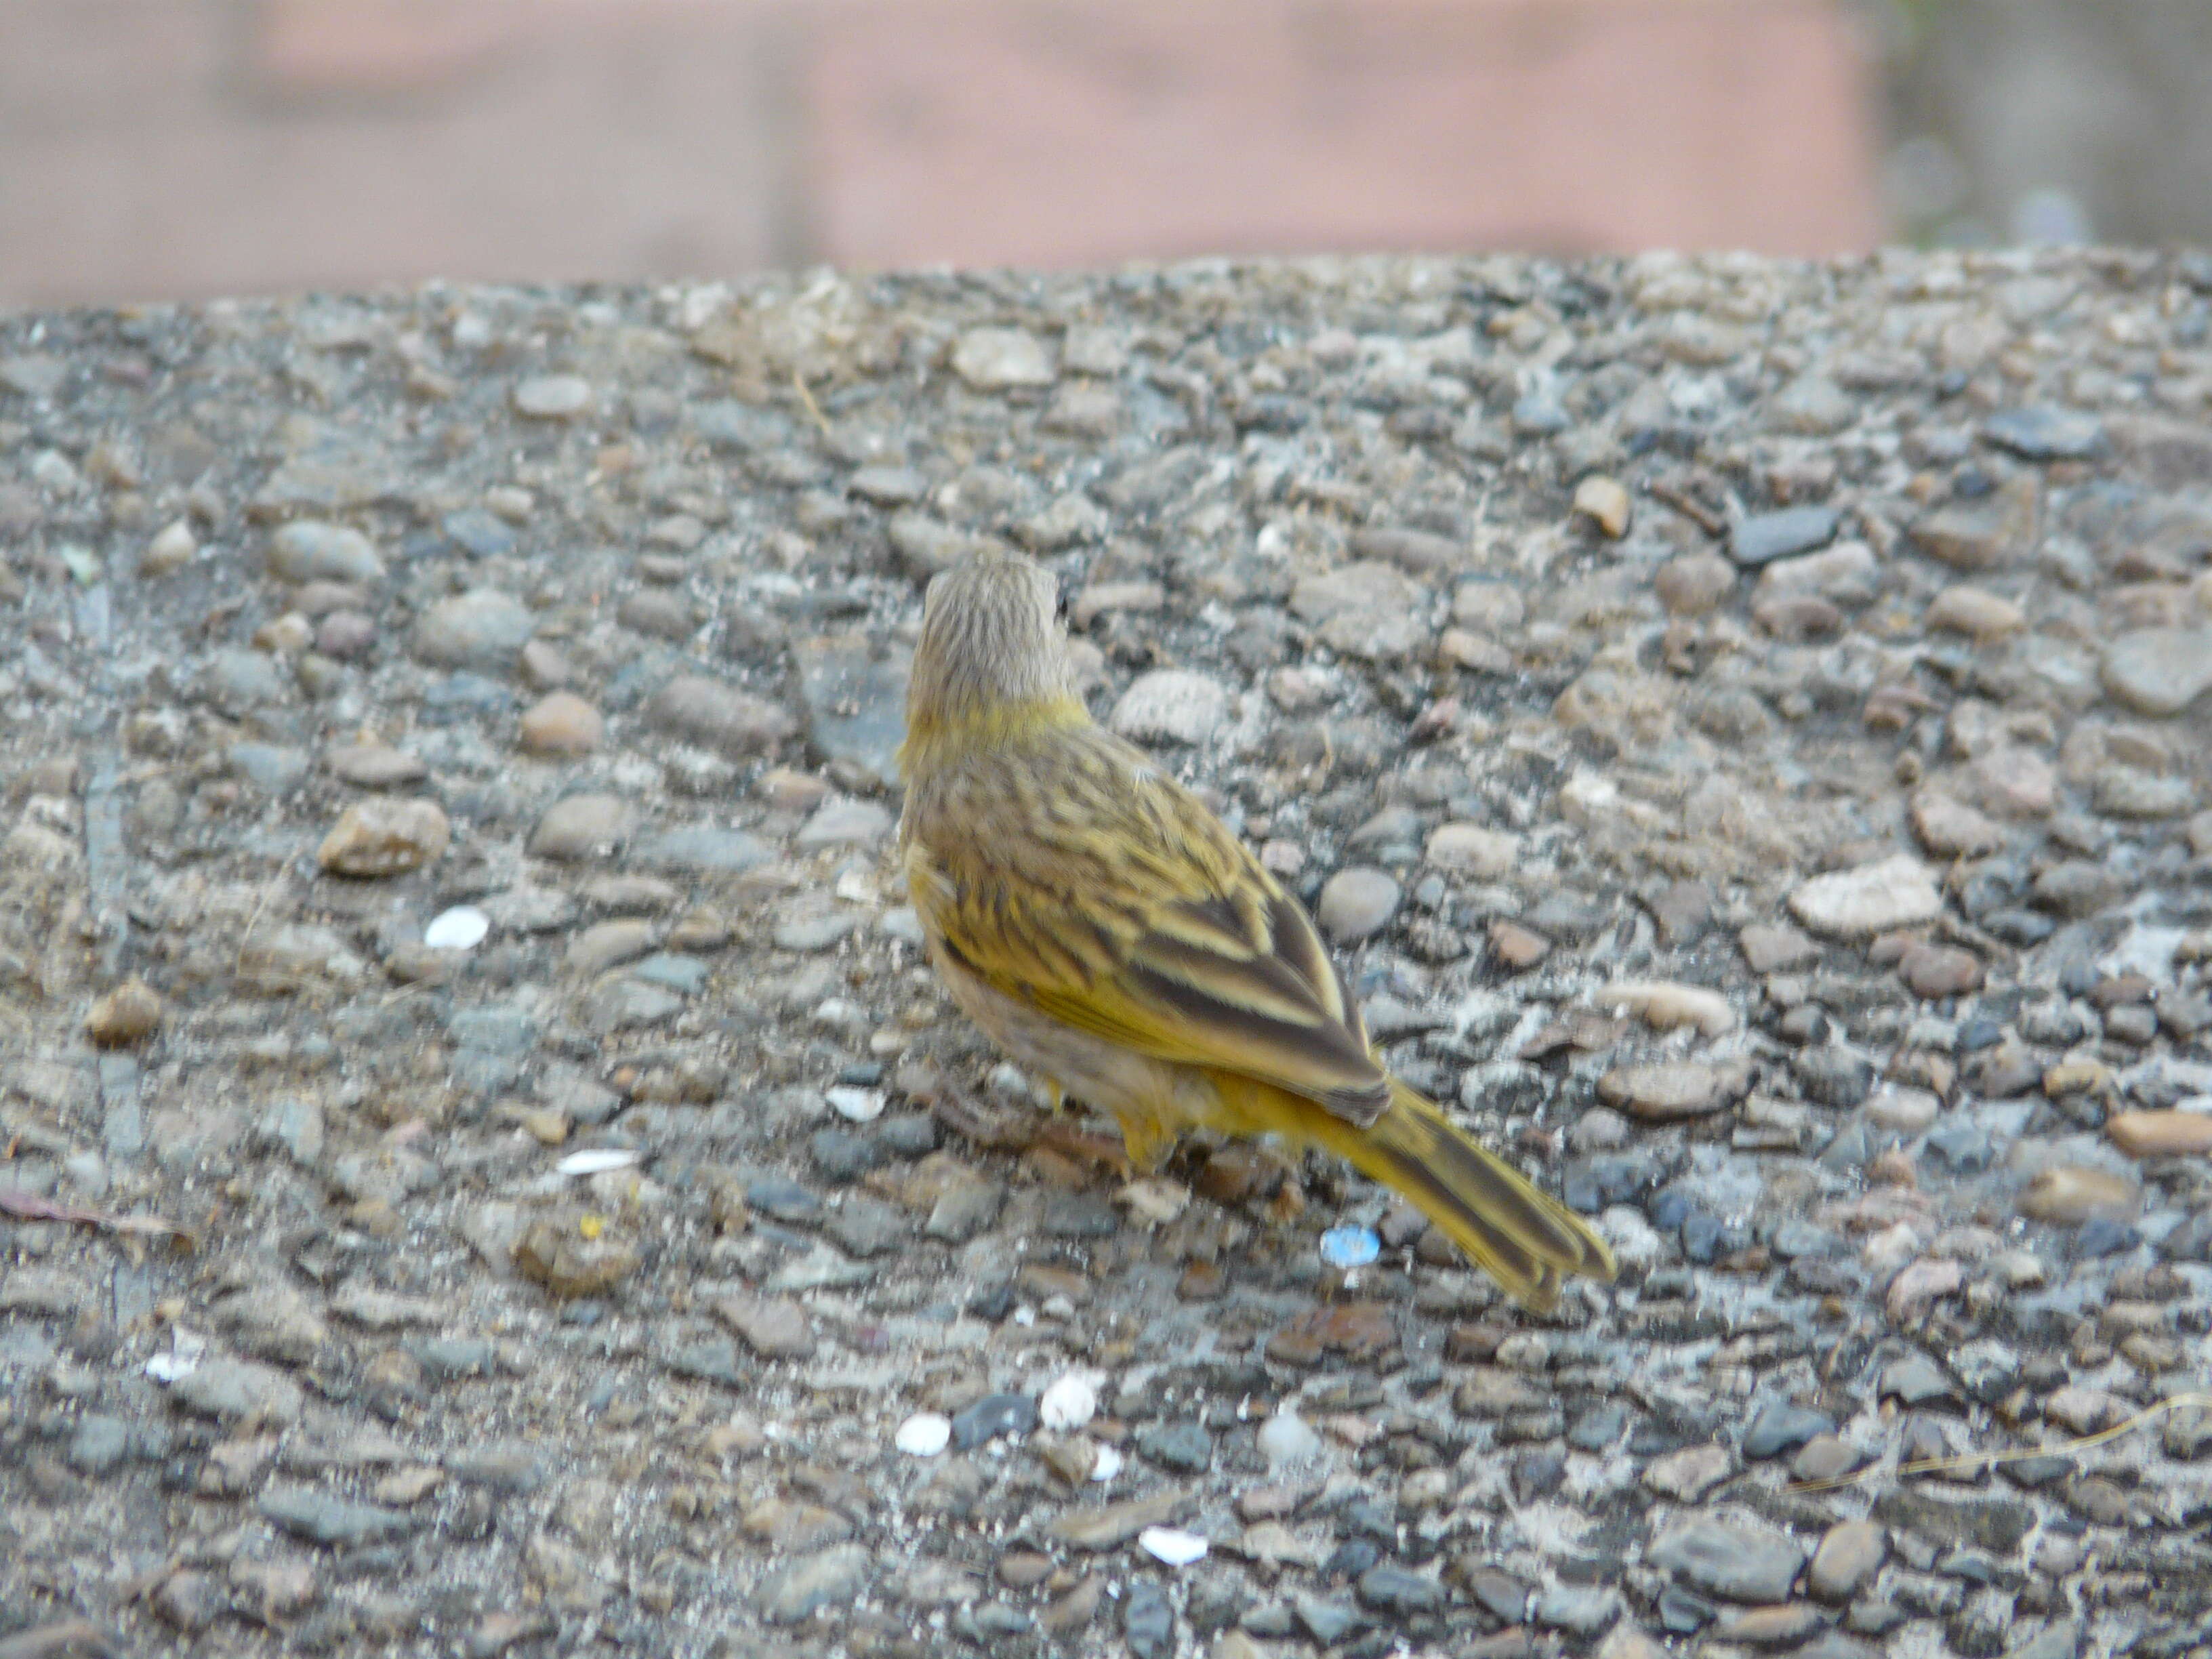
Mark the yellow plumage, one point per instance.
(1112, 934)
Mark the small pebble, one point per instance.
(129, 1013)
(924, 1435)
(1355, 904)
(857, 1105)
(1873, 898)
(1350, 1247)
(1286, 1437)
(1171, 1545)
(1171, 704)
(385, 837)
(1666, 1005)
(1068, 1404)
(1001, 359)
(562, 723)
(2159, 670)
(461, 928)
(553, 397)
(1604, 503)
(598, 1161)
(1516, 947)
(2161, 1134)
(1469, 850)
(2070, 1195)
(169, 551)
(1983, 616)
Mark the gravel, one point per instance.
(1739, 726)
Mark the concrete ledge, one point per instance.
(1743, 723)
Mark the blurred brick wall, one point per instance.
(182, 148)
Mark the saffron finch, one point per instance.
(1115, 938)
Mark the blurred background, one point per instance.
(158, 148)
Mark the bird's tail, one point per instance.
(1525, 1239)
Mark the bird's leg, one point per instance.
(1147, 1140)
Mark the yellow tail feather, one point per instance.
(1525, 1239)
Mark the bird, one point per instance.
(1120, 942)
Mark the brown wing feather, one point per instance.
(1087, 884)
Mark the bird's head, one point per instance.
(993, 657)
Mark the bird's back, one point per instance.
(1067, 870)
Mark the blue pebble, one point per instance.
(1350, 1247)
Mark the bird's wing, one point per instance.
(1096, 891)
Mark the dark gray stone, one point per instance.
(714, 1359)
(477, 533)
(1583, 1610)
(1186, 1448)
(496, 1030)
(994, 1415)
(1397, 1594)
(1832, 1076)
(1766, 536)
(867, 1227)
(324, 1518)
(1996, 1524)
(1148, 1620)
(1781, 1427)
(1916, 1380)
(1739, 1560)
(1327, 1622)
(784, 1201)
(1988, 1370)
(854, 697)
(2040, 432)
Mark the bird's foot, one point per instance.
(1146, 1143)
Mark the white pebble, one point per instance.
(553, 397)
(598, 1161)
(1172, 1545)
(924, 1435)
(1108, 1466)
(172, 548)
(1898, 891)
(1285, 1438)
(1155, 1199)
(1665, 1004)
(1068, 1404)
(461, 928)
(857, 1105)
(182, 1360)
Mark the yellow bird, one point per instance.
(1115, 938)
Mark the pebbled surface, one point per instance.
(425, 1385)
